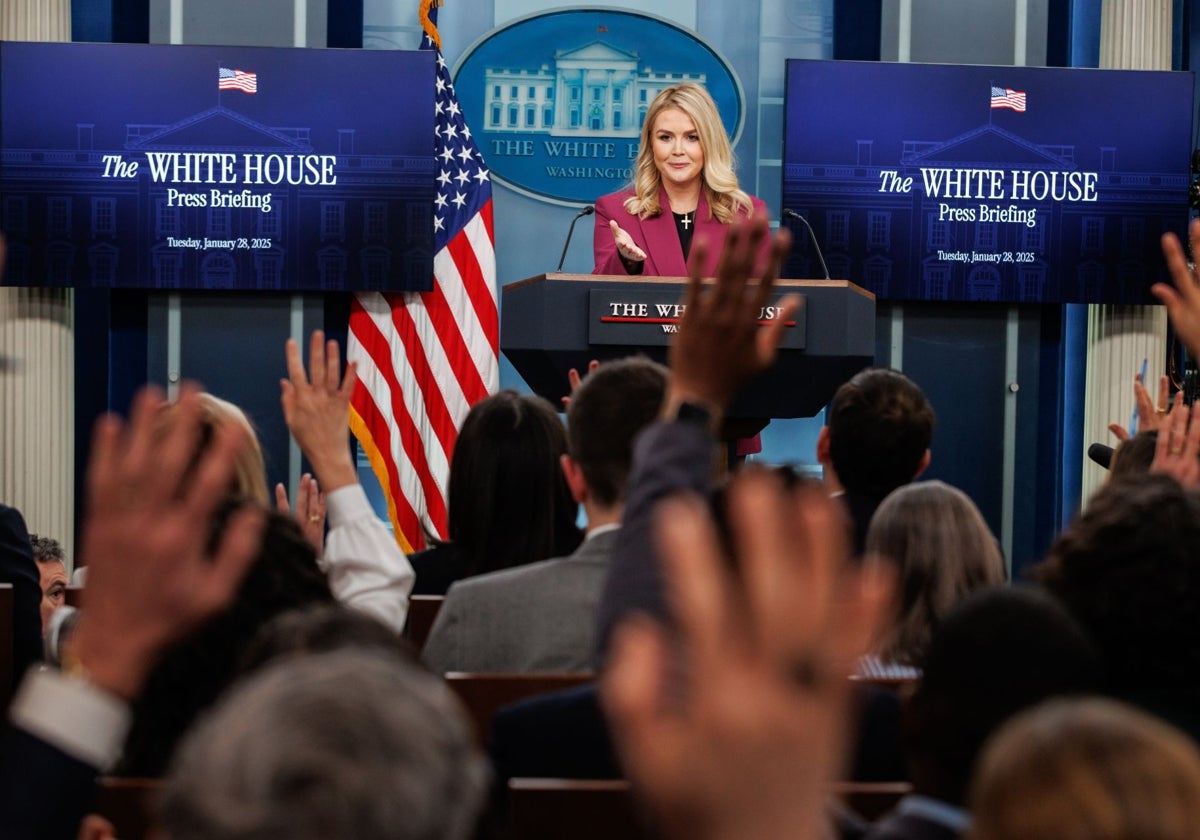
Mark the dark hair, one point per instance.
(606, 412)
(1133, 456)
(880, 426)
(47, 549)
(999, 651)
(320, 628)
(509, 502)
(1127, 570)
(192, 674)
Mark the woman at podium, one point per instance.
(683, 187)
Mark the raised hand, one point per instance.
(1149, 412)
(719, 346)
(575, 380)
(740, 739)
(1177, 452)
(1183, 298)
(310, 510)
(318, 411)
(150, 506)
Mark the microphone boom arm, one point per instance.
(586, 211)
(792, 214)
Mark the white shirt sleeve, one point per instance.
(83, 721)
(366, 568)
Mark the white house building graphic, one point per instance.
(593, 90)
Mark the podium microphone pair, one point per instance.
(788, 213)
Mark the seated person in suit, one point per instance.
(157, 572)
(942, 551)
(1086, 768)
(542, 617)
(684, 187)
(17, 567)
(508, 503)
(876, 438)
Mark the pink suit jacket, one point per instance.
(658, 237)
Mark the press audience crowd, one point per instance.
(754, 636)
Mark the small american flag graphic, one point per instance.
(237, 80)
(1008, 98)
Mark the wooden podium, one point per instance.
(554, 322)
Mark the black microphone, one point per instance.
(1101, 454)
(792, 214)
(586, 211)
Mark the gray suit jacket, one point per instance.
(535, 618)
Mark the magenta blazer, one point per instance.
(657, 236)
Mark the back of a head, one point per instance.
(998, 652)
(1126, 569)
(509, 503)
(193, 673)
(943, 551)
(1133, 456)
(47, 549)
(249, 470)
(880, 426)
(1091, 769)
(318, 628)
(613, 404)
(348, 745)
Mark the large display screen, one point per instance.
(977, 183)
(183, 167)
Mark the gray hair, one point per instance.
(47, 549)
(348, 745)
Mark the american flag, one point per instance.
(237, 80)
(424, 358)
(1008, 98)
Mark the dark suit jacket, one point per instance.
(657, 236)
(561, 735)
(44, 793)
(437, 568)
(18, 568)
(668, 457)
(910, 827)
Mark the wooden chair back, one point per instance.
(485, 694)
(595, 809)
(129, 804)
(582, 809)
(422, 610)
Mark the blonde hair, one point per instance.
(1092, 769)
(943, 551)
(250, 470)
(718, 180)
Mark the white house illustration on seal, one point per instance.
(596, 90)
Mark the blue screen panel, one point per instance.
(186, 167)
(977, 183)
